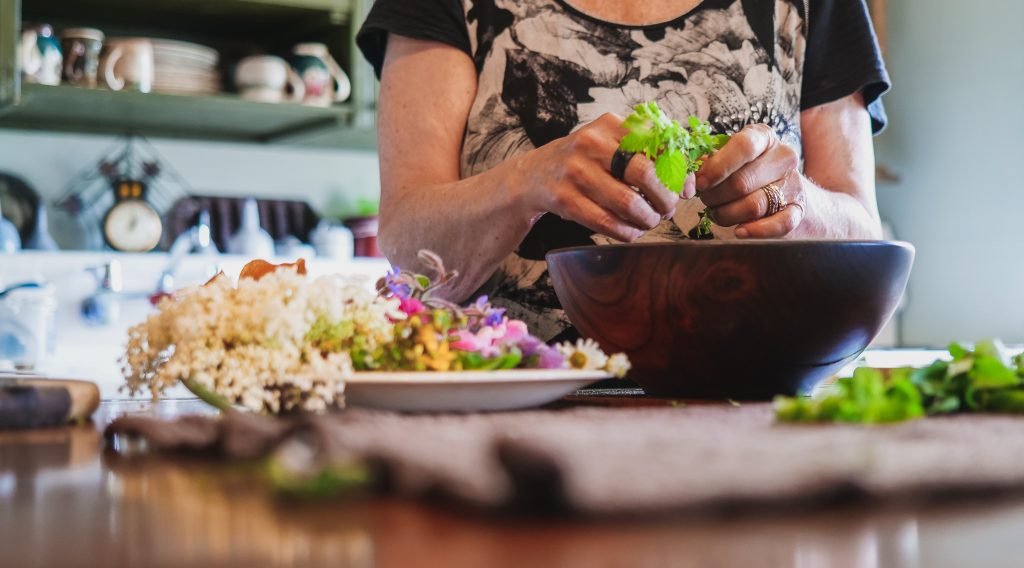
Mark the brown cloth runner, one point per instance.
(629, 460)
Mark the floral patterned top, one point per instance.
(545, 68)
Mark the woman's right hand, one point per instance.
(571, 178)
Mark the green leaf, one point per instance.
(989, 373)
(990, 348)
(671, 170)
(1002, 401)
(634, 142)
(330, 481)
(958, 351)
(866, 397)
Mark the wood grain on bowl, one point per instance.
(743, 320)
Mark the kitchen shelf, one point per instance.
(221, 117)
(210, 18)
(236, 29)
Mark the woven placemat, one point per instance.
(628, 460)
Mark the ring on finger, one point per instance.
(620, 160)
(775, 198)
(799, 202)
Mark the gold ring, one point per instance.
(776, 199)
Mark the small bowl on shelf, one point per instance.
(745, 320)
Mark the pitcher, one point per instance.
(324, 80)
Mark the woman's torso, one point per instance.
(546, 68)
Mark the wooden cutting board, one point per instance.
(27, 402)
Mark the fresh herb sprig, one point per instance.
(676, 151)
(867, 397)
(982, 379)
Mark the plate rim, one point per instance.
(506, 376)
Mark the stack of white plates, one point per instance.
(184, 68)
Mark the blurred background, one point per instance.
(146, 145)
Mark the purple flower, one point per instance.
(481, 303)
(549, 357)
(494, 316)
(392, 280)
(529, 346)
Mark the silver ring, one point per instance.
(776, 199)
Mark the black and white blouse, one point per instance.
(545, 68)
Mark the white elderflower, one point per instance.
(252, 343)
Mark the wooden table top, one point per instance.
(67, 500)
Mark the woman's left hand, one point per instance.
(731, 183)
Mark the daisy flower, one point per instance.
(585, 354)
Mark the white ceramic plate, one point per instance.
(186, 50)
(465, 391)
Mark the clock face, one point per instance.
(132, 226)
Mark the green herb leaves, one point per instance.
(671, 167)
(866, 398)
(980, 380)
(676, 151)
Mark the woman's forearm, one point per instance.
(472, 224)
(838, 155)
(835, 215)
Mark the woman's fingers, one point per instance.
(742, 148)
(755, 205)
(641, 175)
(778, 225)
(600, 220)
(620, 199)
(762, 226)
(773, 164)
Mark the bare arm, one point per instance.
(836, 192)
(839, 156)
(426, 92)
(427, 89)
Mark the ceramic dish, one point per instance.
(465, 391)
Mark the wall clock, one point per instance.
(131, 224)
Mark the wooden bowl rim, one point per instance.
(767, 243)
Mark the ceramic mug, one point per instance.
(39, 55)
(81, 48)
(128, 64)
(323, 78)
(268, 79)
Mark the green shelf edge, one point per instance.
(225, 117)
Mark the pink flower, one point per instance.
(483, 341)
(411, 306)
(489, 339)
(514, 331)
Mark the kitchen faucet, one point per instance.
(103, 306)
(196, 240)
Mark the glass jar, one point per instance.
(27, 318)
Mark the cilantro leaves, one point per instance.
(980, 380)
(676, 151)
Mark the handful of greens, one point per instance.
(676, 151)
(980, 380)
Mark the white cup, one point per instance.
(128, 64)
(268, 79)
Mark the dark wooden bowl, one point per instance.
(742, 320)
